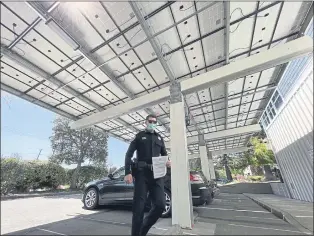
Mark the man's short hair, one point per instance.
(151, 116)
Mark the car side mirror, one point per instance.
(110, 176)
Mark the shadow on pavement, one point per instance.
(109, 220)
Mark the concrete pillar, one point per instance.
(182, 209)
(211, 166)
(204, 156)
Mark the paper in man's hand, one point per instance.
(159, 166)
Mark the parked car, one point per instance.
(112, 190)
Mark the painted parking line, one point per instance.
(188, 233)
(225, 209)
(261, 218)
(257, 227)
(103, 221)
(116, 223)
(49, 231)
(154, 227)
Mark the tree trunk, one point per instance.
(228, 172)
(268, 174)
(75, 176)
(227, 169)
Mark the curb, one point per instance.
(5, 198)
(281, 214)
(174, 230)
(177, 230)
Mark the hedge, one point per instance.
(18, 176)
(21, 176)
(86, 174)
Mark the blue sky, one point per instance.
(26, 128)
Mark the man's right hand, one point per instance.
(128, 179)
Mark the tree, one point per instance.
(225, 162)
(260, 155)
(87, 174)
(195, 164)
(16, 155)
(71, 146)
(232, 163)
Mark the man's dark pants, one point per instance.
(144, 183)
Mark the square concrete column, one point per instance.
(204, 156)
(211, 166)
(182, 209)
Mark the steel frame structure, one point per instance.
(129, 126)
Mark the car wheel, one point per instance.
(91, 199)
(167, 212)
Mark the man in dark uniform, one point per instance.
(148, 144)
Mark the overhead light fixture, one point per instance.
(65, 36)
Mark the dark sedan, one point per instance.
(112, 190)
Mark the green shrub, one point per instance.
(255, 178)
(20, 176)
(86, 174)
(53, 176)
(11, 173)
(222, 174)
(41, 174)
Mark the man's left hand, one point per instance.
(168, 164)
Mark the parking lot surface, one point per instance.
(236, 214)
(230, 214)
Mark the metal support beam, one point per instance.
(24, 33)
(157, 49)
(211, 166)
(227, 43)
(29, 28)
(182, 210)
(255, 63)
(229, 150)
(221, 152)
(146, 29)
(203, 156)
(223, 134)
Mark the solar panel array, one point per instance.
(191, 43)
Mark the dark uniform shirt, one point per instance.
(147, 145)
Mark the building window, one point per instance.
(278, 102)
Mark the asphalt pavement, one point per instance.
(230, 214)
(236, 214)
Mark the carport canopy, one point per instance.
(110, 64)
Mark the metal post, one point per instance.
(182, 211)
(211, 165)
(204, 157)
(227, 44)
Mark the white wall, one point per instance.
(291, 136)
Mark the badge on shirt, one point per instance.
(159, 138)
(143, 138)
